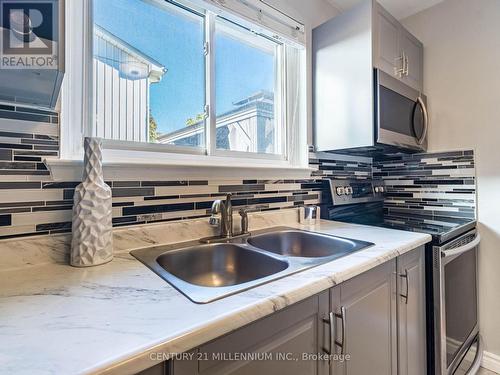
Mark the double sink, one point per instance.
(207, 272)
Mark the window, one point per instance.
(148, 72)
(247, 77)
(175, 77)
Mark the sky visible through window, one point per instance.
(176, 41)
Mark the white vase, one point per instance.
(92, 229)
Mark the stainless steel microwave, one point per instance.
(401, 117)
(372, 113)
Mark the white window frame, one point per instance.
(76, 104)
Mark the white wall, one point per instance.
(462, 80)
(312, 13)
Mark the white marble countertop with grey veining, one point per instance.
(56, 319)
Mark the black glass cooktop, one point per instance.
(441, 231)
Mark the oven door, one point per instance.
(401, 116)
(455, 300)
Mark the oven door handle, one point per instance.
(474, 368)
(461, 249)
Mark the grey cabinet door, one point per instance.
(411, 313)
(386, 49)
(366, 326)
(391, 41)
(414, 52)
(276, 342)
(159, 369)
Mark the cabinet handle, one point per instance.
(342, 317)
(407, 280)
(330, 321)
(399, 71)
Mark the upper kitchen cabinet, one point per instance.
(412, 51)
(387, 54)
(395, 50)
(367, 84)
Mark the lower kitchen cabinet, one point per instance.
(411, 313)
(365, 322)
(380, 319)
(271, 345)
(373, 323)
(159, 369)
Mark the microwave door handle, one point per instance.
(462, 249)
(426, 120)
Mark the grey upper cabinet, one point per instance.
(297, 329)
(411, 313)
(395, 50)
(365, 308)
(413, 52)
(387, 50)
(345, 52)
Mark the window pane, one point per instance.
(149, 73)
(246, 95)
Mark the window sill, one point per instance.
(72, 170)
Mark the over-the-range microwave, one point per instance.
(401, 117)
(383, 115)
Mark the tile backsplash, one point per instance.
(338, 166)
(433, 187)
(31, 203)
(421, 186)
(26, 136)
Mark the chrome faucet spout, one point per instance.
(225, 209)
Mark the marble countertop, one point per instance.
(55, 319)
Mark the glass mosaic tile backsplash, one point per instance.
(429, 185)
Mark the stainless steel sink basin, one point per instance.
(205, 273)
(298, 243)
(219, 265)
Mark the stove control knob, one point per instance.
(348, 190)
(381, 189)
(377, 189)
(340, 190)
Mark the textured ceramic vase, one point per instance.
(92, 242)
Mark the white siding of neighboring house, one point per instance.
(247, 129)
(120, 104)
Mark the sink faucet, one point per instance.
(225, 209)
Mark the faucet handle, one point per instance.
(214, 221)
